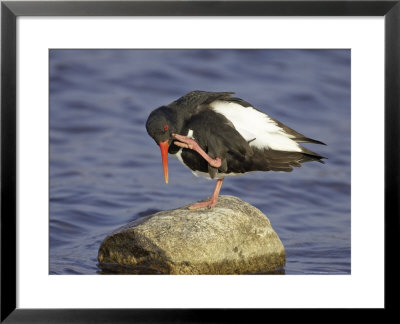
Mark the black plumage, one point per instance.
(197, 117)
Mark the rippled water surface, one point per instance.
(105, 170)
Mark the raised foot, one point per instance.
(189, 143)
(185, 142)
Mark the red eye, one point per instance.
(166, 127)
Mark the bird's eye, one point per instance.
(166, 127)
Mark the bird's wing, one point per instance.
(296, 136)
(262, 131)
(217, 135)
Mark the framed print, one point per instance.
(81, 170)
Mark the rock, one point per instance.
(232, 238)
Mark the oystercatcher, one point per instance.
(216, 135)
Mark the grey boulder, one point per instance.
(232, 238)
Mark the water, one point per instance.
(105, 170)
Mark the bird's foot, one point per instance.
(185, 142)
(209, 204)
(189, 143)
(213, 200)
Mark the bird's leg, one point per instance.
(213, 200)
(190, 143)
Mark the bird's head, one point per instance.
(160, 125)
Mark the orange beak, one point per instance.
(164, 156)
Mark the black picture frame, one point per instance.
(10, 10)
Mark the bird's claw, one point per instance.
(183, 145)
(184, 141)
(209, 204)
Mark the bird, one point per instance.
(217, 135)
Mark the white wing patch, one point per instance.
(256, 127)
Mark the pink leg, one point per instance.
(213, 200)
(189, 143)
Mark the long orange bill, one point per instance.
(164, 156)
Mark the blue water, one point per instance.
(105, 170)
